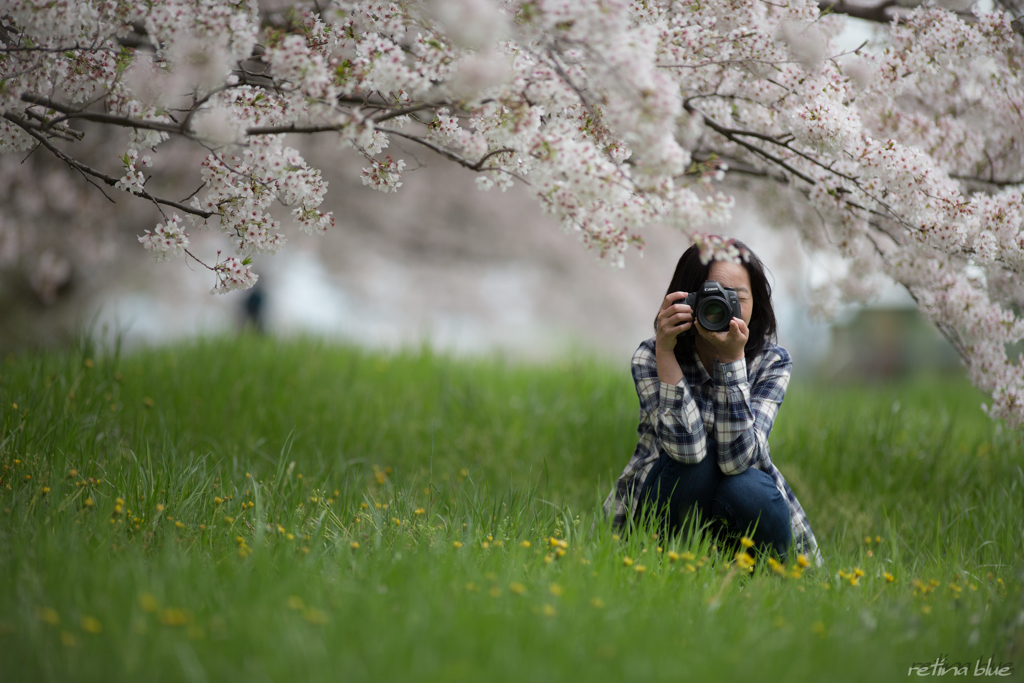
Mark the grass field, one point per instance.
(251, 510)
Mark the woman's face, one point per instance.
(734, 275)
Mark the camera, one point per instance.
(713, 307)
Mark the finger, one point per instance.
(741, 326)
(672, 298)
(675, 314)
(681, 316)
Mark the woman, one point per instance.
(707, 404)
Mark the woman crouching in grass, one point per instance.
(708, 400)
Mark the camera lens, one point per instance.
(715, 312)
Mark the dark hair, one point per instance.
(691, 274)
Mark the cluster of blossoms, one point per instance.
(903, 157)
(166, 240)
(133, 180)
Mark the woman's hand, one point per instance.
(727, 345)
(673, 320)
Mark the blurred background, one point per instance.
(439, 263)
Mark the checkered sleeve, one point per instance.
(745, 413)
(670, 408)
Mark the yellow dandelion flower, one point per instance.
(172, 616)
(457, 544)
(870, 554)
(796, 573)
(548, 610)
(91, 625)
(615, 537)
(472, 587)
(354, 545)
(396, 520)
(494, 592)
(67, 639)
(217, 500)
(803, 561)
(485, 545)
(315, 616)
(419, 511)
(72, 473)
(867, 539)
(858, 572)
(47, 615)
(673, 556)
(690, 568)
(89, 502)
(597, 602)
(777, 566)
(926, 609)
(548, 559)
(148, 602)
(878, 539)
(517, 588)
(160, 507)
(747, 542)
(229, 520)
(743, 560)
(640, 569)
(524, 544)
(818, 627)
(46, 489)
(295, 602)
(559, 552)
(179, 525)
(628, 561)
(854, 581)
(555, 589)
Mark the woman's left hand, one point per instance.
(728, 344)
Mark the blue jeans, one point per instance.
(674, 491)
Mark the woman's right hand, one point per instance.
(673, 320)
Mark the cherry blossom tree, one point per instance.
(904, 155)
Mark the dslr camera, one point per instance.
(713, 307)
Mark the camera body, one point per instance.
(713, 307)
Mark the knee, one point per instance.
(752, 496)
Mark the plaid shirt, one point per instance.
(730, 413)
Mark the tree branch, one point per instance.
(109, 180)
(876, 13)
(98, 117)
(452, 156)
